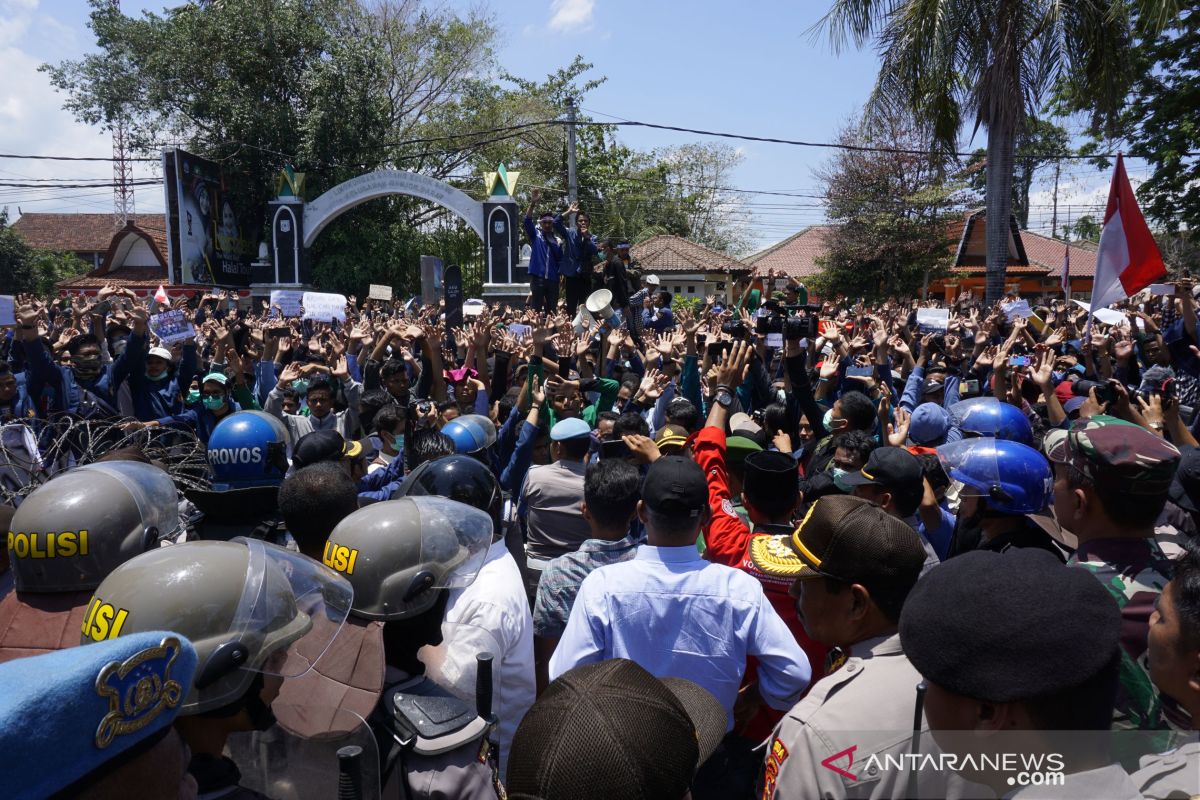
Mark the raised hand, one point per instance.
(897, 433)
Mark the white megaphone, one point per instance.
(583, 321)
(599, 305)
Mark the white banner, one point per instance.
(288, 300)
(379, 292)
(933, 319)
(8, 309)
(1019, 308)
(324, 306)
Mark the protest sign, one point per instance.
(8, 310)
(1109, 316)
(1019, 308)
(452, 289)
(324, 306)
(171, 327)
(930, 320)
(288, 300)
(379, 292)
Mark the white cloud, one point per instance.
(33, 122)
(571, 15)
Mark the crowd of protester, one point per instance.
(728, 540)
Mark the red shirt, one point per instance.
(727, 541)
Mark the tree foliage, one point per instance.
(1159, 121)
(23, 269)
(1038, 144)
(891, 214)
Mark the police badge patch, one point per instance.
(138, 690)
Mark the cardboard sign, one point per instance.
(288, 300)
(324, 306)
(379, 292)
(1019, 308)
(1162, 288)
(8, 310)
(171, 327)
(930, 320)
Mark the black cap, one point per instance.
(597, 716)
(846, 538)
(323, 446)
(675, 485)
(1004, 627)
(1185, 488)
(770, 472)
(898, 471)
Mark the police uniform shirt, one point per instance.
(1175, 774)
(866, 704)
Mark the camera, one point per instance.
(769, 323)
(797, 328)
(736, 329)
(1104, 390)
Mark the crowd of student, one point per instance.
(727, 549)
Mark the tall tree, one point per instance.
(891, 211)
(1159, 121)
(1039, 142)
(992, 63)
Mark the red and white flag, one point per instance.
(1066, 275)
(1128, 260)
(161, 295)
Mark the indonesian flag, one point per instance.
(161, 295)
(1128, 259)
(1066, 276)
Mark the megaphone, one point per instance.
(599, 305)
(583, 321)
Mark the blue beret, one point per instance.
(570, 428)
(64, 714)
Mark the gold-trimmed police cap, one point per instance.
(848, 539)
(66, 714)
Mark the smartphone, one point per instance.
(1019, 361)
(614, 449)
(715, 349)
(282, 330)
(860, 372)
(970, 387)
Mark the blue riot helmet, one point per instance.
(471, 433)
(1011, 477)
(248, 448)
(987, 416)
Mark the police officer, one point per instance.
(244, 605)
(492, 614)
(852, 565)
(403, 557)
(96, 721)
(248, 454)
(1003, 483)
(1050, 698)
(67, 536)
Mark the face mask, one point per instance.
(86, 368)
(300, 386)
(193, 396)
(214, 403)
(118, 347)
(1058, 376)
(839, 476)
(781, 396)
(156, 378)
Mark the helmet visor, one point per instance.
(972, 462)
(291, 608)
(481, 428)
(151, 489)
(975, 414)
(465, 550)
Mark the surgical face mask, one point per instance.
(781, 396)
(193, 396)
(1058, 376)
(161, 377)
(832, 424)
(214, 403)
(300, 386)
(839, 476)
(118, 346)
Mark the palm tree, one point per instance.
(994, 62)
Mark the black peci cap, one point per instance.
(770, 472)
(1005, 627)
(675, 485)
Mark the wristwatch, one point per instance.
(724, 398)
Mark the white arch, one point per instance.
(345, 196)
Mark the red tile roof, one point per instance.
(80, 233)
(795, 256)
(1049, 254)
(667, 253)
(130, 277)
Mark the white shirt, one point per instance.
(491, 615)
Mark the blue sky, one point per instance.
(746, 67)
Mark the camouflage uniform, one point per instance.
(1128, 460)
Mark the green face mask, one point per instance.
(839, 475)
(193, 396)
(214, 403)
(300, 386)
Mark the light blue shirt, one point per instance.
(678, 615)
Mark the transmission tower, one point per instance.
(122, 167)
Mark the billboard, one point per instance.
(210, 238)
